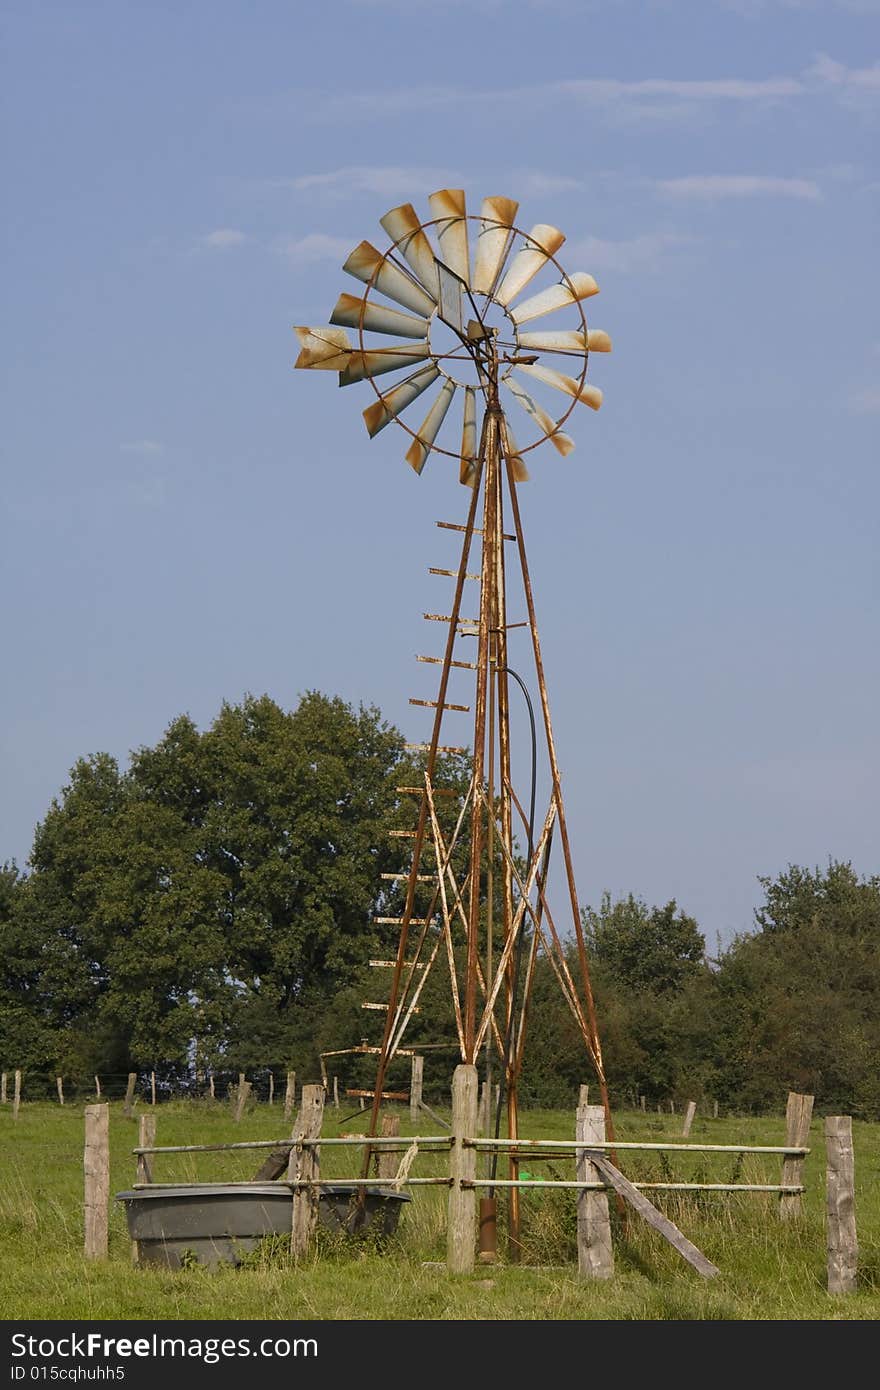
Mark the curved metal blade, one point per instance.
(493, 241)
(325, 349)
(598, 340)
(543, 241)
(590, 395)
(383, 411)
(449, 205)
(556, 297)
(563, 442)
(420, 448)
(377, 361)
(377, 318)
(468, 471)
(511, 451)
(365, 262)
(565, 340)
(403, 226)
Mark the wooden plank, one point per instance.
(96, 1175)
(584, 1099)
(654, 1218)
(798, 1114)
(843, 1245)
(688, 1118)
(305, 1166)
(128, 1104)
(433, 1113)
(417, 1068)
(462, 1208)
(144, 1170)
(385, 1095)
(595, 1251)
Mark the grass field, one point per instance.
(769, 1270)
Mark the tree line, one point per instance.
(211, 907)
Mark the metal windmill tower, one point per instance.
(468, 326)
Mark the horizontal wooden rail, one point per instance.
(642, 1186)
(572, 1146)
(293, 1183)
(442, 1140)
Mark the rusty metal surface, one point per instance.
(351, 312)
(405, 230)
(571, 290)
(588, 394)
(389, 405)
(420, 448)
(497, 216)
(369, 265)
(543, 241)
(563, 442)
(449, 209)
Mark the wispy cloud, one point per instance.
(714, 186)
(313, 248)
(630, 255)
(145, 448)
(855, 87)
(222, 239)
(384, 180)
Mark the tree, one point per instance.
(639, 947)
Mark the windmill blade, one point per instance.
(420, 448)
(563, 442)
(450, 210)
(377, 361)
(378, 318)
(367, 264)
(468, 470)
(511, 451)
(569, 291)
(325, 349)
(543, 242)
(493, 241)
(590, 395)
(598, 340)
(565, 340)
(404, 228)
(388, 407)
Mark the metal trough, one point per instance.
(216, 1224)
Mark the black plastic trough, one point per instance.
(214, 1224)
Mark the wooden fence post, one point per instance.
(211, 1086)
(688, 1118)
(2, 1087)
(485, 1119)
(16, 1095)
(153, 1089)
(595, 1251)
(59, 1086)
(244, 1090)
(96, 1171)
(798, 1114)
(583, 1096)
(386, 1164)
(843, 1246)
(144, 1170)
(97, 1088)
(336, 1092)
(415, 1087)
(462, 1211)
(271, 1088)
(128, 1107)
(642, 1104)
(305, 1163)
(714, 1110)
(289, 1094)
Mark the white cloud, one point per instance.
(383, 180)
(534, 183)
(314, 248)
(714, 186)
(629, 256)
(855, 87)
(223, 239)
(146, 448)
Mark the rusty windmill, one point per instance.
(468, 295)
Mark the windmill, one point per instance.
(466, 297)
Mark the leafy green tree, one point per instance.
(639, 947)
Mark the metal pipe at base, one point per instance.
(488, 1247)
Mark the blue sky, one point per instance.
(185, 519)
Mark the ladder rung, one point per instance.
(447, 618)
(438, 661)
(404, 878)
(403, 834)
(453, 574)
(441, 748)
(398, 921)
(478, 530)
(437, 791)
(390, 964)
(384, 1007)
(432, 704)
(383, 1095)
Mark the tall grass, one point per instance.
(769, 1269)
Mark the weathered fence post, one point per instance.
(97, 1088)
(583, 1096)
(128, 1106)
(211, 1086)
(843, 1246)
(386, 1164)
(595, 1251)
(2, 1087)
(144, 1170)
(415, 1087)
(305, 1165)
(642, 1104)
(714, 1110)
(688, 1118)
(153, 1089)
(244, 1090)
(289, 1094)
(59, 1086)
(798, 1114)
(96, 1171)
(462, 1211)
(271, 1088)
(672, 1107)
(336, 1092)
(16, 1095)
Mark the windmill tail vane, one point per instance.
(460, 295)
